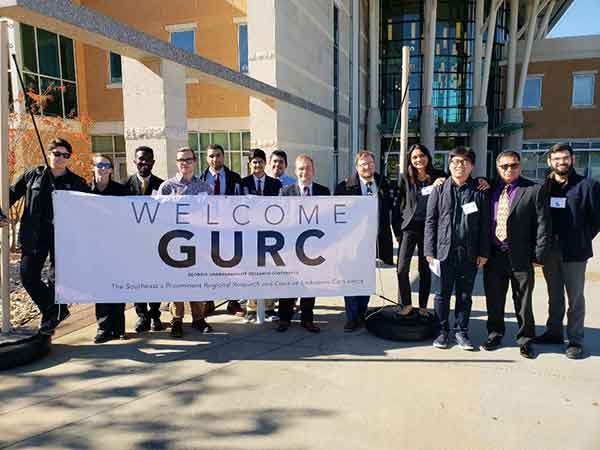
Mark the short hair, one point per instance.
(362, 154)
(560, 147)
(508, 153)
(257, 153)
(279, 153)
(60, 142)
(215, 147)
(307, 157)
(186, 149)
(463, 152)
(104, 156)
(145, 149)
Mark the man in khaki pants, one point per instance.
(186, 183)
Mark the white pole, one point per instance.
(4, 202)
(512, 54)
(546, 21)
(404, 111)
(355, 82)
(532, 22)
(489, 51)
(478, 51)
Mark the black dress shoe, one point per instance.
(492, 343)
(548, 338)
(350, 326)
(574, 351)
(527, 351)
(202, 326)
(283, 326)
(53, 317)
(311, 327)
(101, 338)
(156, 325)
(176, 329)
(142, 325)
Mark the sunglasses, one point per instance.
(186, 160)
(103, 165)
(65, 155)
(509, 166)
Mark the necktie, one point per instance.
(502, 215)
(306, 191)
(217, 184)
(259, 190)
(369, 188)
(144, 185)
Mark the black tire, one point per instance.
(25, 351)
(387, 323)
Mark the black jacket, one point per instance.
(438, 224)
(133, 185)
(113, 188)
(385, 244)
(294, 191)
(528, 225)
(232, 181)
(581, 222)
(36, 222)
(270, 189)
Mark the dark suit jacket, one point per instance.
(438, 224)
(385, 244)
(294, 191)
(528, 226)
(133, 186)
(271, 187)
(231, 180)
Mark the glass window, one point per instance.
(204, 141)
(70, 97)
(193, 141)
(113, 146)
(594, 170)
(221, 139)
(51, 97)
(102, 144)
(235, 141)
(243, 47)
(29, 49)
(532, 96)
(114, 62)
(184, 40)
(48, 53)
(529, 162)
(246, 140)
(120, 145)
(67, 58)
(583, 89)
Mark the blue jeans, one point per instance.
(356, 306)
(457, 274)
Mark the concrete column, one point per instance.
(154, 111)
(513, 140)
(427, 116)
(373, 135)
(479, 139)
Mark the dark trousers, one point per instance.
(458, 275)
(110, 318)
(356, 306)
(42, 293)
(286, 309)
(153, 312)
(496, 276)
(412, 237)
(561, 276)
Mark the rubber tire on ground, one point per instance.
(25, 351)
(387, 323)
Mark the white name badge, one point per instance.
(426, 190)
(558, 202)
(469, 208)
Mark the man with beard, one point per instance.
(143, 183)
(575, 210)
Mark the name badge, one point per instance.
(469, 208)
(558, 202)
(426, 190)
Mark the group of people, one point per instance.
(458, 224)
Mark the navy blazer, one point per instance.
(294, 191)
(232, 179)
(438, 224)
(271, 187)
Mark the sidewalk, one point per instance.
(248, 387)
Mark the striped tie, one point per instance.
(502, 215)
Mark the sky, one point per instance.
(582, 18)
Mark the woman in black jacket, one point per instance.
(109, 316)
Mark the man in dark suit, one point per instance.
(259, 183)
(144, 182)
(520, 227)
(223, 182)
(365, 181)
(305, 172)
(457, 235)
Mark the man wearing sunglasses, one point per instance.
(520, 227)
(144, 182)
(36, 232)
(186, 183)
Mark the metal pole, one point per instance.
(489, 52)
(404, 106)
(355, 80)
(4, 201)
(512, 54)
(532, 25)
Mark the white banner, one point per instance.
(163, 248)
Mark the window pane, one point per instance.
(193, 141)
(221, 139)
(70, 95)
(243, 47)
(67, 58)
(48, 53)
(202, 164)
(583, 90)
(204, 141)
(594, 171)
(120, 144)
(51, 97)
(184, 40)
(246, 141)
(235, 141)
(236, 162)
(28, 48)
(102, 144)
(116, 75)
(532, 97)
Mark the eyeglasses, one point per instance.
(104, 165)
(459, 162)
(65, 155)
(186, 160)
(512, 166)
